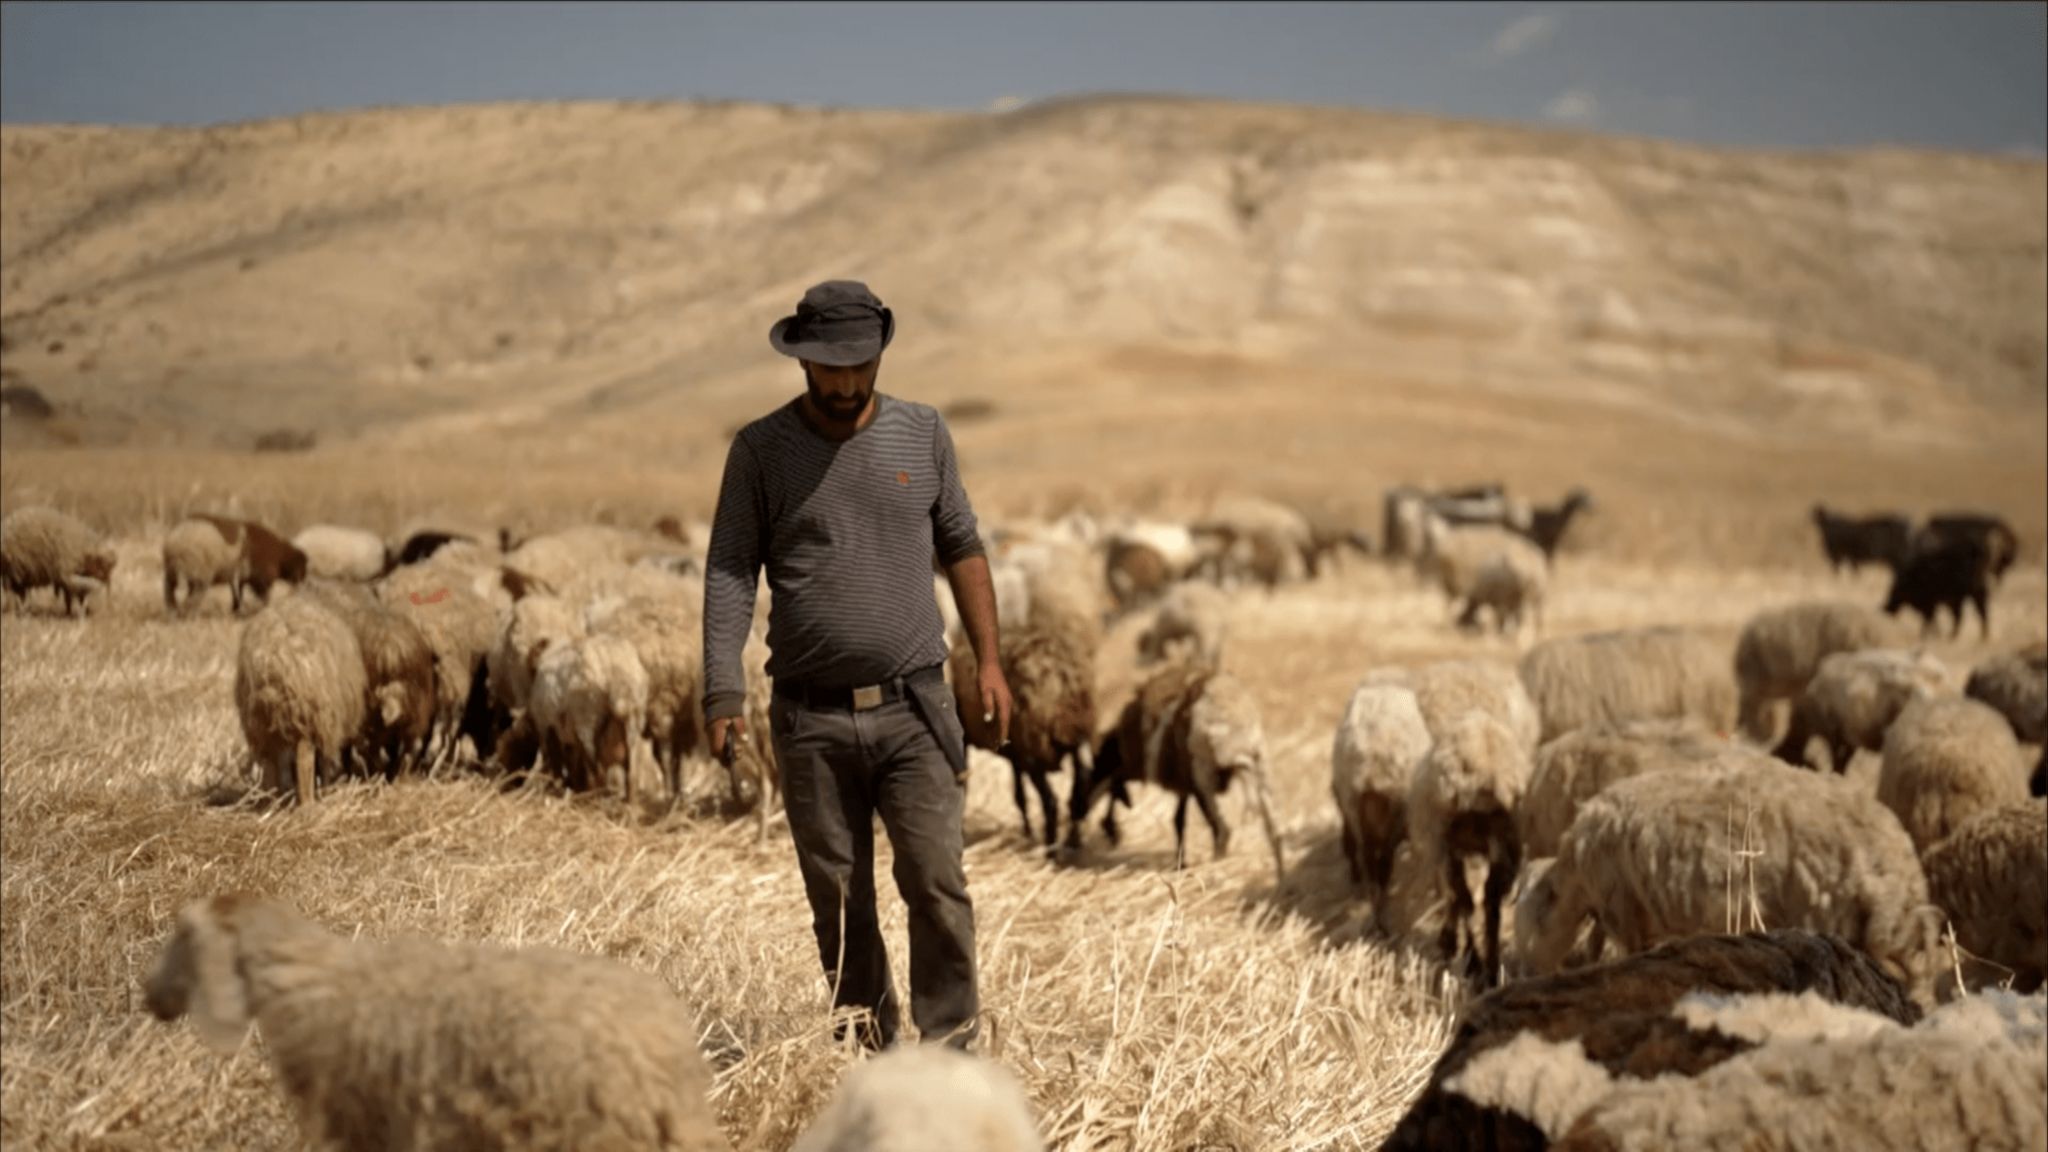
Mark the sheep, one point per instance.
(1461, 818)
(1882, 538)
(1780, 649)
(300, 693)
(1513, 585)
(535, 624)
(1853, 699)
(426, 543)
(1453, 557)
(1193, 619)
(1669, 854)
(924, 1098)
(1636, 674)
(1619, 1014)
(338, 553)
(1379, 742)
(460, 626)
(667, 635)
(41, 547)
(2015, 684)
(400, 666)
(410, 1044)
(1988, 875)
(1327, 542)
(1191, 729)
(1577, 766)
(1050, 667)
(1136, 572)
(1402, 513)
(562, 560)
(1547, 525)
(1446, 690)
(589, 705)
(262, 557)
(2001, 543)
(1971, 1075)
(198, 554)
(1945, 760)
(1948, 573)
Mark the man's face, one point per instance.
(841, 394)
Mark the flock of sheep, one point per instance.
(1599, 824)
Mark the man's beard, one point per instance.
(838, 409)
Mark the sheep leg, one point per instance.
(304, 772)
(1017, 794)
(1500, 877)
(1180, 833)
(1219, 828)
(1047, 805)
(170, 592)
(1354, 852)
(1978, 598)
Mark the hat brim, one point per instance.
(837, 354)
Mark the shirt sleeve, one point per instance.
(954, 529)
(732, 573)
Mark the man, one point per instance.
(844, 495)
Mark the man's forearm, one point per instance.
(974, 592)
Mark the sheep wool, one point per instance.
(1577, 766)
(1780, 650)
(339, 553)
(300, 691)
(197, 556)
(41, 547)
(1448, 690)
(1635, 674)
(409, 1044)
(1461, 819)
(1945, 760)
(1854, 698)
(2015, 684)
(589, 706)
(925, 1098)
(1973, 1075)
(1989, 876)
(1380, 741)
(1668, 854)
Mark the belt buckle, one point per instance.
(867, 696)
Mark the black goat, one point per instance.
(1885, 538)
(1948, 573)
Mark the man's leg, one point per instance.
(920, 804)
(831, 820)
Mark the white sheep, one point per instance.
(536, 623)
(339, 553)
(1461, 819)
(1512, 586)
(589, 706)
(1780, 649)
(1972, 1075)
(300, 692)
(1193, 619)
(1854, 698)
(1379, 743)
(666, 632)
(1453, 556)
(197, 556)
(41, 547)
(1448, 690)
(1945, 760)
(925, 1098)
(1577, 766)
(409, 1044)
(1670, 854)
(1634, 674)
(2016, 685)
(1989, 875)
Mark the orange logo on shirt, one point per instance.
(903, 478)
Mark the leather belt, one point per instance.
(858, 698)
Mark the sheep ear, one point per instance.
(220, 1003)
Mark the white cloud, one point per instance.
(1574, 105)
(1522, 35)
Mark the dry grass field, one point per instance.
(1709, 342)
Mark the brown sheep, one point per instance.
(1050, 666)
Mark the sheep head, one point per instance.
(199, 972)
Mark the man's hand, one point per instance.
(737, 725)
(995, 698)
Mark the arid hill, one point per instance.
(1274, 287)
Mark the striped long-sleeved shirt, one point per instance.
(846, 530)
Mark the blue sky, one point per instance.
(1967, 76)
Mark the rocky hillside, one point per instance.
(401, 269)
